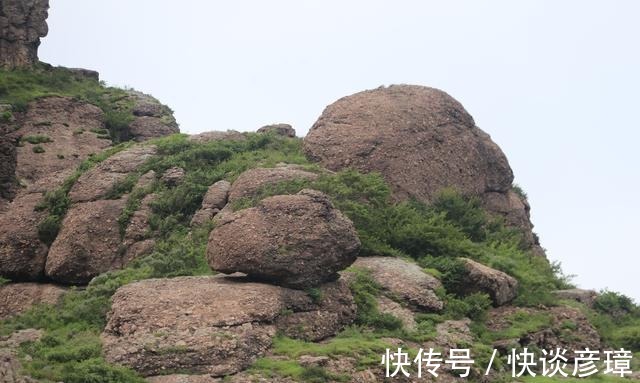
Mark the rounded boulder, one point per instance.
(297, 241)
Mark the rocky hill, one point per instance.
(130, 252)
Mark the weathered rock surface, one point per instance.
(9, 140)
(213, 201)
(388, 306)
(569, 328)
(586, 297)
(152, 118)
(173, 176)
(137, 239)
(100, 180)
(252, 181)
(22, 254)
(279, 129)
(319, 318)
(454, 334)
(88, 243)
(231, 135)
(10, 367)
(206, 325)
(68, 125)
(296, 240)
(22, 24)
(16, 298)
(404, 280)
(501, 287)
(421, 140)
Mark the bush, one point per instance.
(614, 304)
(38, 149)
(36, 139)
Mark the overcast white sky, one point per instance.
(554, 83)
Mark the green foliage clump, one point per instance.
(36, 139)
(617, 319)
(38, 149)
(365, 291)
(6, 116)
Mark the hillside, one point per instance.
(130, 252)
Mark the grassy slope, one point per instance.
(432, 235)
(19, 87)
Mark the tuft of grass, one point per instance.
(36, 139)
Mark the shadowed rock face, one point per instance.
(422, 141)
(22, 24)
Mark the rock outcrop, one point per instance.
(421, 140)
(586, 297)
(213, 201)
(403, 280)
(100, 180)
(16, 298)
(22, 24)
(250, 182)
(231, 135)
(285, 130)
(88, 243)
(213, 325)
(65, 129)
(151, 118)
(296, 240)
(500, 286)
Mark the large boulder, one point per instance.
(212, 325)
(421, 140)
(285, 130)
(88, 243)
(16, 298)
(100, 180)
(213, 201)
(22, 254)
(252, 181)
(296, 240)
(22, 24)
(500, 286)
(403, 280)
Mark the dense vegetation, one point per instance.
(434, 235)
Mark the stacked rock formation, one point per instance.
(22, 24)
(422, 141)
(284, 254)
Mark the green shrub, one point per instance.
(36, 139)
(614, 304)
(6, 116)
(38, 149)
